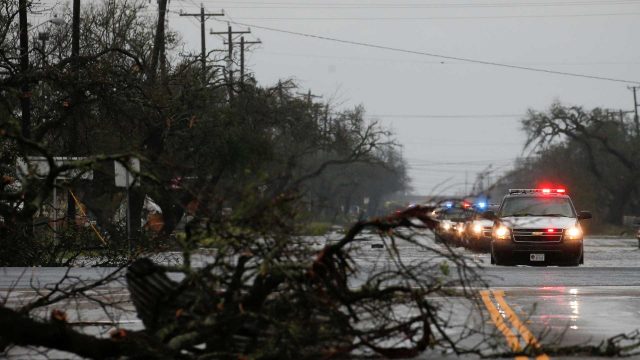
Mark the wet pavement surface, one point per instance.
(557, 306)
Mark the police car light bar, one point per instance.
(531, 191)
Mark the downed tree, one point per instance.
(277, 297)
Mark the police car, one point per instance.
(450, 218)
(537, 226)
(477, 232)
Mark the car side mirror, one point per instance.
(489, 215)
(584, 215)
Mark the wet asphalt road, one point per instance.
(558, 306)
(576, 305)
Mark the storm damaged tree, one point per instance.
(239, 168)
(266, 294)
(260, 292)
(69, 97)
(601, 144)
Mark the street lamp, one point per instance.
(43, 36)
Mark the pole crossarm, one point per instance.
(229, 33)
(245, 42)
(203, 18)
(221, 13)
(211, 32)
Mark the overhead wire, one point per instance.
(446, 116)
(422, 18)
(405, 60)
(413, 5)
(440, 56)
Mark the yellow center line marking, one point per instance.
(498, 320)
(512, 340)
(524, 331)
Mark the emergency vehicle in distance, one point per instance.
(537, 226)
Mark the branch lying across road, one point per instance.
(19, 329)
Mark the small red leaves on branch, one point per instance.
(58, 316)
(118, 334)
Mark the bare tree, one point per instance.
(608, 146)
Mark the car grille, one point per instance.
(486, 231)
(537, 235)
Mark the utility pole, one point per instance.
(25, 98)
(243, 43)
(310, 97)
(75, 34)
(75, 99)
(313, 110)
(635, 109)
(203, 18)
(157, 52)
(75, 57)
(325, 121)
(229, 42)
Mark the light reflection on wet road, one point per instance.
(577, 306)
(567, 305)
(576, 315)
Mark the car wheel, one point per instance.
(473, 246)
(501, 261)
(573, 262)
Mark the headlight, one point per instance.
(573, 233)
(502, 232)
(446, 226)
(460, 228)
(477, 228)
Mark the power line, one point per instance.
(337, 5)
(489, 142)
(415, 52)
(329, 18)
(427, 116)
(465, 162)
(370, 58)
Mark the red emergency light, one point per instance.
(554, 191)
(543, 191)
(551, 230)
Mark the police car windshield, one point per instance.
(454, 214)
(537, 206)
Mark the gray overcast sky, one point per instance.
(480, 105)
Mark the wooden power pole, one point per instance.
(243, 45)
(203, 45)
(229, 33)
(635, 109)
(25, 98)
